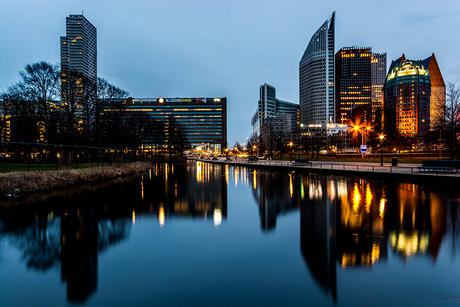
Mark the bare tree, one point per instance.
(106, 93)
(177, 139)
(254, 144)
(32, 97)
(452, 119)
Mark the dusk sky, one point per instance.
(213, 48)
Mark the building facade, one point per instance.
(406, 99)
(438, 92)
(352, 81)
(274, 118)
(316, 77)
(203, 119)
(378, 76)
(79, 49)
(269, 106)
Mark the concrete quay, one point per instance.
(403, 172)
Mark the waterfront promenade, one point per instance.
(402, 172)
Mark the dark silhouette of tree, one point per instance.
(452, 119)
(254, 144)
(175, 137)
(106, 93)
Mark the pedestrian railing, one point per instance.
(340, 166)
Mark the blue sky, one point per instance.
(205, 48)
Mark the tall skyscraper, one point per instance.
(378, 75)
(352, 80)
(406, 99)
(79, 49)
(316, 77)
(274, 117)
(269, 106)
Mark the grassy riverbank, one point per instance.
(19, 183)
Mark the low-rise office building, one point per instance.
(203, 119)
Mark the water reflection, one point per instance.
(345, 223)
(69, 230)
(273, 194)
(354, 223)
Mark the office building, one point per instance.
(406, 98)
(438, 91)
(316, 77)
(204, 119)
(269, 106)
(378, 76)
(274, 117)
(79, 49)
(352, 81)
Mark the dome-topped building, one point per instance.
(406, 98)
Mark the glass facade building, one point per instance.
(79, 48)
(316, 77)
(269, 106)
(274, 117)
(406, 99)
(352, 80)
(204, 119)
(378, 76)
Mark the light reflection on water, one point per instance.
(315, 236)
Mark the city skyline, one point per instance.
(222, 49)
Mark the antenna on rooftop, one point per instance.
(82, 13)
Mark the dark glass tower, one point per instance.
(316, 77)
(79, 48)
(352, 80)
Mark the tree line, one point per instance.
(42, 108)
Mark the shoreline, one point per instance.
(402, 173)
(24, 183)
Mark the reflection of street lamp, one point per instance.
(381, 149)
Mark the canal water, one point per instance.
(198, 234)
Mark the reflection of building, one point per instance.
(79, 252)
(316, 77)
(197, 190)
(418, 223)
(361, 240)
(406, 98)
(273, 202)
(318, 231)
(204, 119)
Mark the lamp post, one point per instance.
(290, 152)
(381, 149)
(299, 137)
(363, 130)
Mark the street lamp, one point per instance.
(363, 128)
(299, 135)
(381, 149)
(290, 152)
